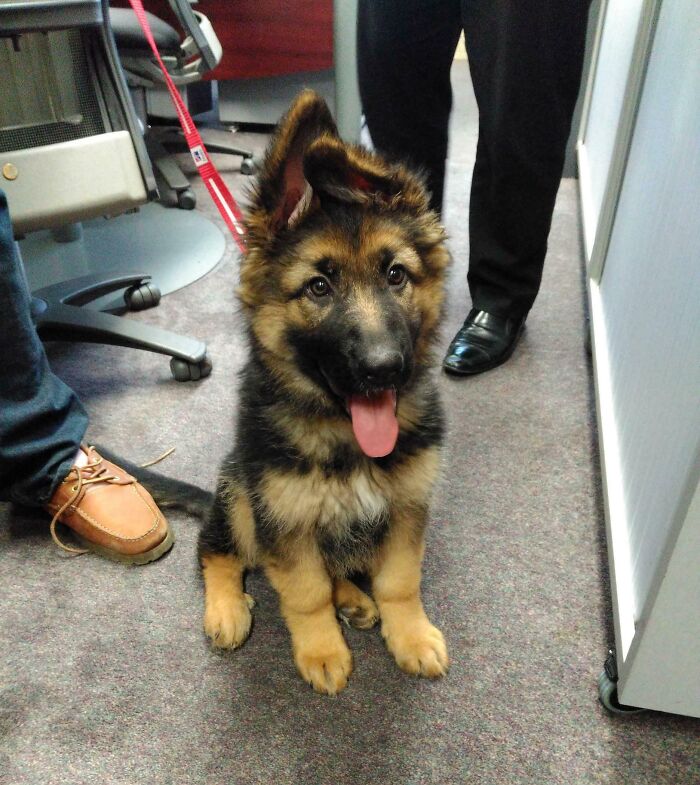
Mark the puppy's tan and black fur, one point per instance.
(342, 287)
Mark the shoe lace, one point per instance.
(91, 473)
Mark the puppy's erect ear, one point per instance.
(281, 184)
(307, 164)
(347, 174)
(351, 174)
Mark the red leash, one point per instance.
(221, 195)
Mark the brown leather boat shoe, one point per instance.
(110, 513)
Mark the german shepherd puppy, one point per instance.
(340, 424)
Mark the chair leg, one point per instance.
(59, 316)
(175, 142)
(171, 175)
(230, 149)
(79, 291)
(61, 322)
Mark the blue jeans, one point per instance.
(42, 422)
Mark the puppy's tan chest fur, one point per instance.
(316, 500)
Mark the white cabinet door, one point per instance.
(615, 47)
(645, 311)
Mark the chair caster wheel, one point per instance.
(186, 200)
(183, 371)
(607, 689)
(138, 298)
(248, 166)
(587, 339)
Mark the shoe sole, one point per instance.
(137, 558)
(455, 372)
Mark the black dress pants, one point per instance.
(525, 58)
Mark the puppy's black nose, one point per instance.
(381, 365)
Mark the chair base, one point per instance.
(163, 141)
(59, 315)
(173, 249)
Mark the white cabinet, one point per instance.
(643, 248)
(619, 22)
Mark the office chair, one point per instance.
(187, 61)
(70, 150)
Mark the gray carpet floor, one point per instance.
(105, 674)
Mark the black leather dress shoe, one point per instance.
(482, 343)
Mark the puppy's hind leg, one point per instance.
(227, 617)
(353, 605)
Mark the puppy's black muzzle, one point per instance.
(380, 366)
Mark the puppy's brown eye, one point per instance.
(319, 287)
(396, 275)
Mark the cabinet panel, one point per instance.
(650, 296)
(614, 57)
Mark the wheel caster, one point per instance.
(587, 340)
(186, 200)
(138, 298)
(607, 689)
(248, 166)
(183, 371)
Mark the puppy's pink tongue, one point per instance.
(374, 422)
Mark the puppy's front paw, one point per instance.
(326, 669)
(227, 621)
(418, 649)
